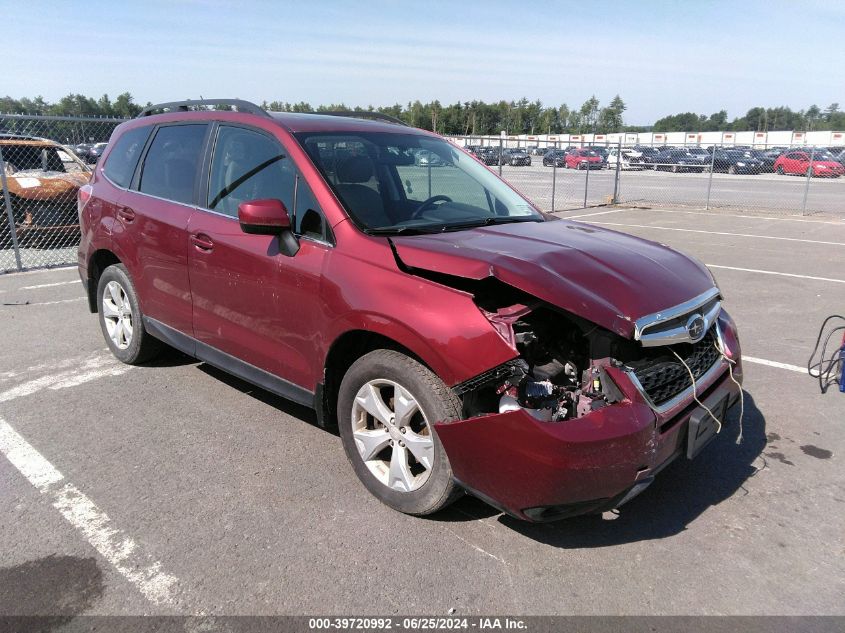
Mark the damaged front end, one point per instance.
(582, 418)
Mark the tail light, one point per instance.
(82, 198)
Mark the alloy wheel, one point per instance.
(117, 315)
(392, 435)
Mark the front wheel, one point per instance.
(387, 406)
(121, 320)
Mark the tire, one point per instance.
(528, 164)
(122, 301)
(415, 490)
(732, 169)
(780, 170)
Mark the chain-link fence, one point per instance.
(776, 179)
(45, 160)
(43, 163)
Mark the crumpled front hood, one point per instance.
(607, 277)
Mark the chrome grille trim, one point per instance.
(678, 334)
(719, 367)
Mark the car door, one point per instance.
(251, 301)
(152, 219)
(801, 163)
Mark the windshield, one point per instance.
(392, 183)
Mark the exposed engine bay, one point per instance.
(559, 374)
(561, 370)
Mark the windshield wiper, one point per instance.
(501, 219)
(443, 228)
(402, 230)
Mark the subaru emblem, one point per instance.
(695, 328)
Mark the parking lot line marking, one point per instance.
(588, 215)
(762, 237)
(88, 370)
(750, 217)
(773, 363)
(118, 548)
(58, 283)
(46, 303)
(773, 272)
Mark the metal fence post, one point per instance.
(586, 183)
(807, 184)
(554, 175)
(710, 179)
(501, 148)
(9, 214)
(615, 199)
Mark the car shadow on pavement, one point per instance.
(56, 586)
(288, 407)
(679, 494)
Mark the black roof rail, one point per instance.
(364, 114)
(184, 106)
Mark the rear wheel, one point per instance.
(121, 320)
(387, 406)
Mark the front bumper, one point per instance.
(542, 471)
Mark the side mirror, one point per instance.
(269, 217)
(263, 217)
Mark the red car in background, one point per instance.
(798, 162)
(584, 159)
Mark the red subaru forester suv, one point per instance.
(461, 339)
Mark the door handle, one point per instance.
(202, 242)
(126, 214)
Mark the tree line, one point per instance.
(757, 119)
(480, 118)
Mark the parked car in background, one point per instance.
(584, 159)
(678, 160)
(799, 162)
(457, 337)
(554, 158)
(630, 159)
(488, 155)
(96, 152)
(43, 179)
(838, 154)
(83, 152)
(601, 151)
(515, 156)
(734, 161)
(647, 155)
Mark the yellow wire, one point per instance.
(695, 395)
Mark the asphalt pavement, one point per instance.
(174, 488)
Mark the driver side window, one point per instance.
(248, 165)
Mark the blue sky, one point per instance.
(662, 57)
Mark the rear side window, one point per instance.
(124, 156)
(246, 166)
(170, 166)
